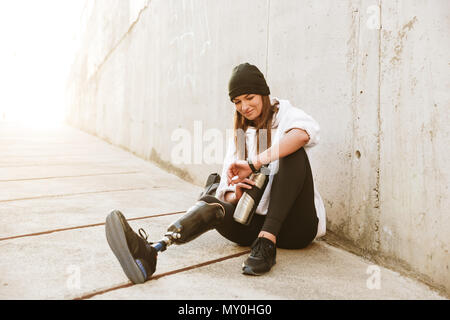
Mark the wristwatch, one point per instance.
(250, 164)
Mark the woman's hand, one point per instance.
(242, 186)
(233, 197)
(239, 168)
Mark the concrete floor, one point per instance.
(57, 187)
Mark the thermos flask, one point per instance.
(249, 201)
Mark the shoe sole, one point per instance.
(117, 241)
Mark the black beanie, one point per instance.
(246, 79)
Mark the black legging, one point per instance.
(291, 215)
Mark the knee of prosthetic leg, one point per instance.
(197, 220)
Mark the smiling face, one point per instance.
(249, 105)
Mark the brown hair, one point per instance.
(241, 124)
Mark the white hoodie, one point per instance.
(286, 118)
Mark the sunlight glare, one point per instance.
(39, 42)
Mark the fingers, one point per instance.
(229, 174)
(228, 177)
(243, 185)
(233, 176)
(236, 180)
(246, 183)
(246, 180)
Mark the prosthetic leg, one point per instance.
(138, 257)
(198, 219)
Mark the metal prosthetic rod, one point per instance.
(198, 219)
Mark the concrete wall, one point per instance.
(381, 96)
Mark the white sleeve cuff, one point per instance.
(220, 192)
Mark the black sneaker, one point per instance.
(262, 257)
(136, 256)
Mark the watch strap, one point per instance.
(250, 164)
